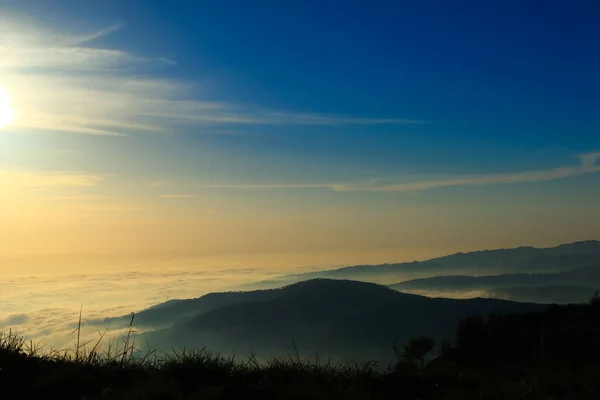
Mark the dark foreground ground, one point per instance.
(553, 354)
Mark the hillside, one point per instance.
(338, 318)
(165, 314)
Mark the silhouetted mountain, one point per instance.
(555, 294)
(167, 313)
(587, 276)
(589, 247)
(519, 260)
(340, 318)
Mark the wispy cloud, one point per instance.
(84, 39)
(312, 119)
(63, 82)
(273, 186)
(588, 165)
(159, 183)
(589, 161)
(177, 196)
(78, 199)
(48, 179)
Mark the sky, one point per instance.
(203, 136)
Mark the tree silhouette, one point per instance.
(595, 300)
(415, 350)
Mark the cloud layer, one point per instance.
(45, 307)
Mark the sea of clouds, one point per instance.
(45, 308)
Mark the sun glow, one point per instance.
(7, 112)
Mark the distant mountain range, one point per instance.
(344, 314)
(553, 294)
(338, 318)
(578, 277)
(574, 286)
(521, 260)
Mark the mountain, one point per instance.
(554, 294)
(167, 313)
(338, 318)
(521, 260)
(587, 276)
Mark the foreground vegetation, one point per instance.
(545, 355)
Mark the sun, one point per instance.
(7, 112)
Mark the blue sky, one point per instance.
(247, 110)
(521, 76)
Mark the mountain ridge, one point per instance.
(481, 262)
(467, 282)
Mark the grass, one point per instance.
(27, 372)
(122, 371)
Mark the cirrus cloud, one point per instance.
(588, 165)
(48, 179)
(68, 84)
